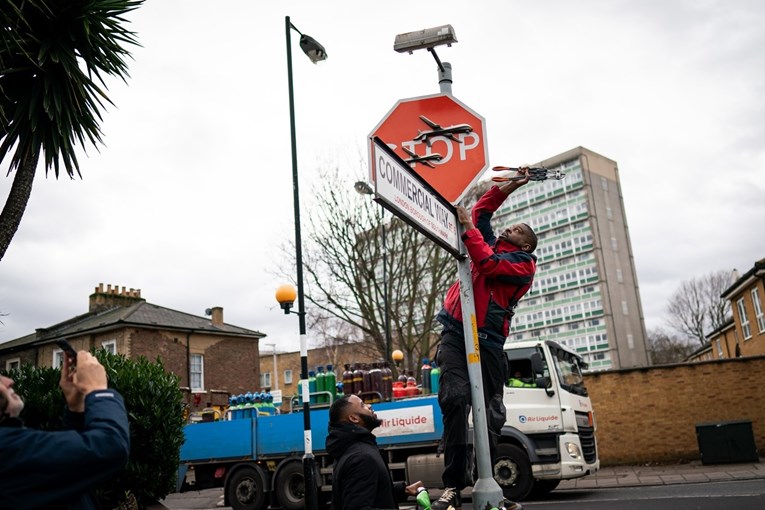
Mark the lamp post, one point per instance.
(365, 189)
(275, 384)
(316, 53)
(486, 491)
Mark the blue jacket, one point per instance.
(57, 469)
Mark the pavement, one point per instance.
(608, 477)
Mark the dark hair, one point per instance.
(337, 409)
(531, 238)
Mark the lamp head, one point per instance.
(363, 188)
(424, 39)
(312, 48)
(397, 356)
(286, 295)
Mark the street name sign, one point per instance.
(399, 189)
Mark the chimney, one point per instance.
(217, 316)
(111, 297)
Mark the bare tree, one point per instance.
(665, 348)
(343, 265)
(696, 307)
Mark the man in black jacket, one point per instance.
(57, 469)
(360, 479)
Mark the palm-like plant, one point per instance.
(54, 56)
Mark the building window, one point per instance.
(758, 310)
(265, 380)
(614, 246)
(58, 358)
(288, 377)
(718, 343)
(744, 319)
(630, 341)
(110, 346)
(625, 310)
(604, 183)
(196, 369)
(619, 276)
(609, 213)
(13, 363)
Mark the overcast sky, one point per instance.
(191, 196)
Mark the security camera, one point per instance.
(426, 38)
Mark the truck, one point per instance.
(549, 436)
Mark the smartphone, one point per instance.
(68, 350)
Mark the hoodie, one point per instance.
(360, 477)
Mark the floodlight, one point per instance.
(425, 39)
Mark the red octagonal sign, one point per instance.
(442, 139)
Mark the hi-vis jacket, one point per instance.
(501, 274)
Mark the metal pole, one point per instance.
(486, 491)
(385, 292)
(309, 461)
(275, 384)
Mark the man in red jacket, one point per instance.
(502, 269)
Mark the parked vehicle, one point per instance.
(549, 436)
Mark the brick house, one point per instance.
(744, 333)
(212, 359)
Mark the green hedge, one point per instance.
(155, 411)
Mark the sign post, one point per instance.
(443, 142)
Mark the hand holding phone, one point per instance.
(69, 351)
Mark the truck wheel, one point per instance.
(512, 471)
(290, 486)
(543, 487)
(245, 490)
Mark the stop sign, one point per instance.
(441, 138)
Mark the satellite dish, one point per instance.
(208, 311)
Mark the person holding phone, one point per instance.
(57, 469)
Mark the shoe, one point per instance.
(449, 500)
(510, 505)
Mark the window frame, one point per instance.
(11, 361)
(288, 376)
(58, 358)
(759, 314)
(112, 342)
(743, 319)
(200, 372)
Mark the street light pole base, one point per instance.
(487, 494)
(311, 493)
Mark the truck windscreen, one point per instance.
(569, 371)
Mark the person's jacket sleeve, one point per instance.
(41, 469)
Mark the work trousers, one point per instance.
(454, 398)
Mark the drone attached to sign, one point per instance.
(535, 174)
(423, 160)
(438, 130)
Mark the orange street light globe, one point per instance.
(286, 294)
(397, 355)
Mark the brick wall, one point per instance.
(650, 415)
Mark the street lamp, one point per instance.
(275, 384)
(365, 189)
(486, 491)
(316, 53)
